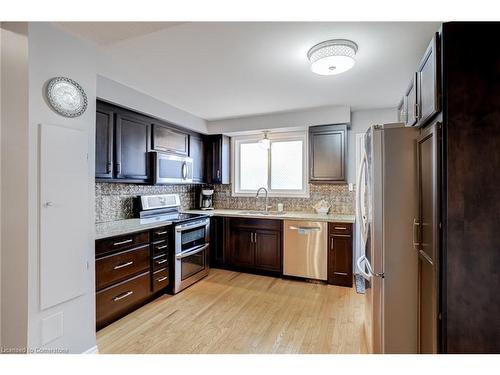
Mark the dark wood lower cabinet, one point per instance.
(255, 244)
(131, 270)
(340, 254)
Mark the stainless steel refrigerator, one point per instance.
(387, 208)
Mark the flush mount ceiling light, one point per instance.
(265, 143)
(332, 56)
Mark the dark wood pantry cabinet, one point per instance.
(327, 153)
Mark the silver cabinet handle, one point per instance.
(341, 273)
(162, 279)
(251, 237)
(160, 233)
(331, 243)
(161, 247)
(218, 173)
(118, 168)
(340, 228)
(161, 261)
(48, 204)
(123, 265)
(122, 242)
(255, 237)
(123, 295)
(341, 235)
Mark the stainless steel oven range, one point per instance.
(190, 237)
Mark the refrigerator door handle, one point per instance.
(416, 243)
(361, 218)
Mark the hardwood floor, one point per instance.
(232, 312)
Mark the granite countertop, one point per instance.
(119, 227)
(290, 215)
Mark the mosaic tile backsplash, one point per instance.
(341, 200)
(114, 201)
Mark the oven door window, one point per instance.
(193, 238)
(192, 264)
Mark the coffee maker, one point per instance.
(206, 202)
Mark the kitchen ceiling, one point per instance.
(218, 70)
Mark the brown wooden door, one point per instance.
(340, 260)
(242, 247)
(170, 140)
(104, 143)
(428, 84)
(133, 141)
(428, 187)
(268, 250)
(327, 153)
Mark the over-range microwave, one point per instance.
(171, 169)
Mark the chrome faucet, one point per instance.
(266, 206)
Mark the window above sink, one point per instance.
(281, 168)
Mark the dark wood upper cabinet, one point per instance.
(410, 102)
(218, 154)
(132, 144)
(423, 97)
(104, 142)
(197, 152)
(327, 153)
(429, 102)
(167, 139)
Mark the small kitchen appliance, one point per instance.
(206, 201)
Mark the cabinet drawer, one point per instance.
(160, 247)
(120, 299)
(340, 228)
(117, 267)
(160, 262)
(269, 224)
(160, 280)
(159, 233)
(127, 241)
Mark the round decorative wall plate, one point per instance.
(66, 97)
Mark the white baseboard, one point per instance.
(92, 350)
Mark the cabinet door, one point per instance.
(428, 84)
(197, 152)
(132, 146)
(340, 260)
(242, 248)
(218, 156)
(170, 140)
(268, 250)
(103, 143)
(327, 153)
(411, 102)
(217, 241)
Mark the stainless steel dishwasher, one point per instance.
(305, 249)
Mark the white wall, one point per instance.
(118, 93)
(14, 185)
(295, 119)
(360, 122)
(52, 52)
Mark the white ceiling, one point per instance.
(220, 70)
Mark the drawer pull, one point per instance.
(161, 261)
(340, 228)
(341, 273)
(123, 265)
(161, 247)
(122, 242)
(123, 295)
(160, 233)
(341, 235)
(162, 279)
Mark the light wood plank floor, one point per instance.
(232, 312)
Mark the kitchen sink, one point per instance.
(263, 213)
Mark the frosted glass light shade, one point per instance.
(332, 57)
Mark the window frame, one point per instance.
(236, 141)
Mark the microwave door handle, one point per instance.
(184, 170)
(192, 251)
